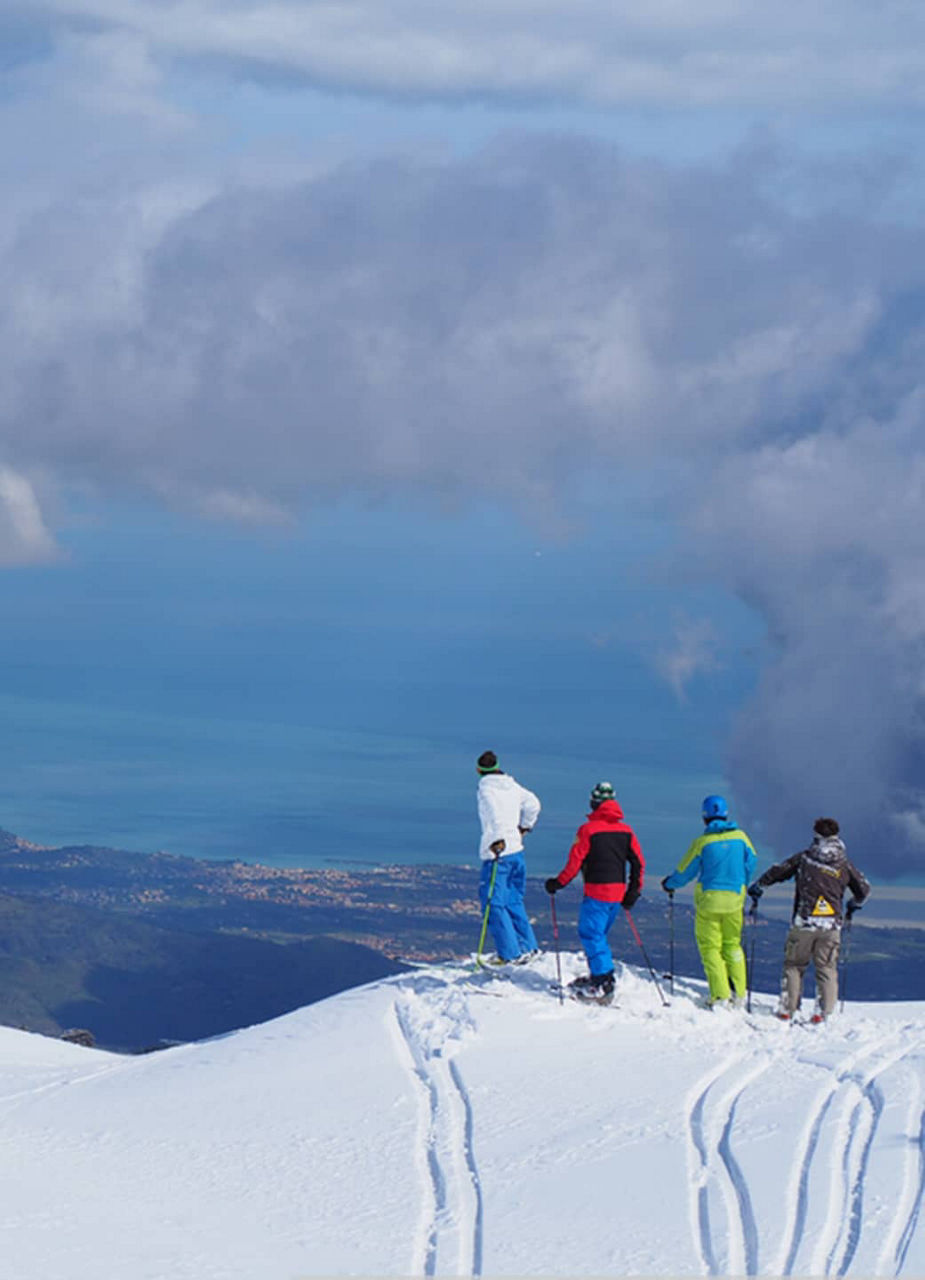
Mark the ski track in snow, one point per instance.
(865, 1119)
(450, 1236)
(715, 1167)
(800, 1207)
(824, 1222)
(909, 1202)
(909, 1199)
(823, 1228)
(913, 1203)
(825, 1204)
(747, 1234)
(852, 1102)
(51, 1086)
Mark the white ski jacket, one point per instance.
(504, 807)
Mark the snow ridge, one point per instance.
(448, 1123)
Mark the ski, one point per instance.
(469, 965)
(606, 1002)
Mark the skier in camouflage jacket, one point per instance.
(822, 874)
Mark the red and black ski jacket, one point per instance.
(604, 847)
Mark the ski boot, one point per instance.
(597, 988)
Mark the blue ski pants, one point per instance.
(507, 917)
(594, 923)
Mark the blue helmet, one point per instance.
(715, 807)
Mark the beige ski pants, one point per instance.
(821, 947)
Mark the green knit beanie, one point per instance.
(602, 791)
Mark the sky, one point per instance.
(389, 383)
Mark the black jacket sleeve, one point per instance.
(781, 870)
(857, 883)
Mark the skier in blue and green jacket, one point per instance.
(722, 861)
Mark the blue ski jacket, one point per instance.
(722, 858)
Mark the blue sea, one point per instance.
(291, 794)
(321, 696)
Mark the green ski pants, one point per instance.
(718, 930)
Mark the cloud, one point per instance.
(693, 652)
(24, 539)
(609, 52)
(470, 325)
(499, 325)
(243, 508)
(825, 540)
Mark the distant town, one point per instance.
(415, 913)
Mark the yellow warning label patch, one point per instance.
(823, 907)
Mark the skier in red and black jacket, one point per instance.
(607, 854)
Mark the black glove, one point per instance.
(754, 892)
(553, 885)
(497, 848)
(851, 906)
(630, 898)
(664, 883)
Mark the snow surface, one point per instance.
(445, 1123)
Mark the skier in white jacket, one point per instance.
(507, 811)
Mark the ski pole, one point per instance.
(555, 938)
(632, 924)
(753, 917)
(671, 939)
(491, 889)
(846, 933)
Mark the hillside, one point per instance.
(134, 984)
(436, 1124)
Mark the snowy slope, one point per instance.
(440, 1124)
